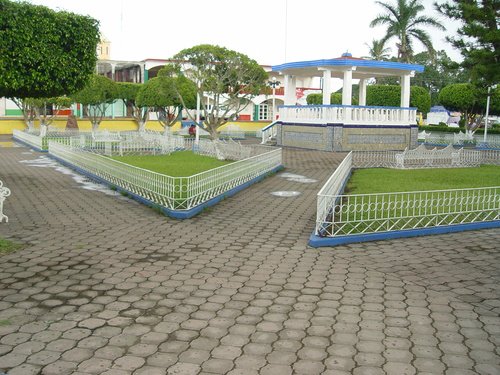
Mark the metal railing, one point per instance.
(269, 132)
(343, 215)
(176, 193)
(349, 114)
(28, 138)
(460, 139)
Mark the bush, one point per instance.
(444, 128)
(390, 96)
(335, 98)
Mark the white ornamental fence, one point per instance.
(4, 193)
(174, 193)
(339, 214)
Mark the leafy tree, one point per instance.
(335, 98)
(468, 99)
(44, 53)
(98, 95)
(439, 72)
(128, 91)
(228, 77)
(478, 38)
(163, 95)
(404, 22)
(377, 50)
(390, 96)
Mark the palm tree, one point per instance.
(377, 50)
(403, 23)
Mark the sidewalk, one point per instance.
(105, 285)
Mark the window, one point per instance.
(264, 112)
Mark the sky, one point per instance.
(269, 31)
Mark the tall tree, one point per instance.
(439, 72)
(44, 53)
(478, 37)
(162, 94)
(404, 22)
(377, 50)
(469, 99)
(228, 77)
(97, 96)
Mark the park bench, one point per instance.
(422, 157)
(4, 193)
(108, 139)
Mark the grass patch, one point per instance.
(383, 180)
(177, 164)
(7, 246)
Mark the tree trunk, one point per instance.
(43, 130)
(95, 126)
(31, 126)
(142, 126)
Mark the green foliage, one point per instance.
(99, 90)
(97, 95)
(167, 94)
(420, 98)
(478, 37)
(390, 96)
(377, 50)
(7, 246)
(335, 98)
(471, 101)
(228, 76)
(444, 128)
(404, 22)
(439, 71)
(44, 53)
(127, 91)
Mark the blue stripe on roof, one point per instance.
(349, 62)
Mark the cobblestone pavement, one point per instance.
(105, 285)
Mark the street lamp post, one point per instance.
(487, 114)
(273, 83)
(198, 103)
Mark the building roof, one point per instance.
(362, 68)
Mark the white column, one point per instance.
(362, 91)
(113, 71)
(290, 88)
(405, 91)
(327, 86)
(347, 88)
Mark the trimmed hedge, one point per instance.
(439, 128)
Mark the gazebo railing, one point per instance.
(347, 114)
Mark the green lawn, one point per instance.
(7, 246)
(382, 180)
(177, 164)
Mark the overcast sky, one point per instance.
(269, 31)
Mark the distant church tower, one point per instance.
(104, 49)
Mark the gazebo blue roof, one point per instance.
(363, 66)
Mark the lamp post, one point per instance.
(487, 113)
(273, 83)
(198, 101)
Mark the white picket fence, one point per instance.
(339, 214)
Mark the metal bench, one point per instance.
(421, 157)
(4, 193)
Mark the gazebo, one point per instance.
(346, 127)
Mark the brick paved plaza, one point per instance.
(105, 285)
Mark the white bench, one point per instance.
(4, 193)
(421, 157)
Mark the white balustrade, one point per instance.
(322, 114)
(4, 193)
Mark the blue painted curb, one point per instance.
(28, 145)
(317, 241)
(176, 214)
